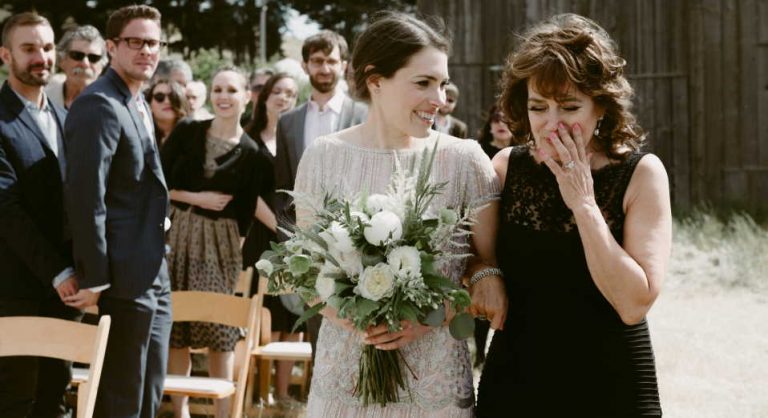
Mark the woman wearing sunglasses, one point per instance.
(495, 135)
(215, 173)
(169, 105)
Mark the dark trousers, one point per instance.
(137, 352)
(34, 386)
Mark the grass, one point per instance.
(708, 325)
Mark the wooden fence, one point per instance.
(699, 69)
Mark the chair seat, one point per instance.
(285, 351)
(202, 387)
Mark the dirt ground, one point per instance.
(711, 352)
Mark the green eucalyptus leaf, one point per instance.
(409, 312)
(334, 301)
(364, 306)
(462, 326)
(436, 317)
(307, 314)
(299, 264)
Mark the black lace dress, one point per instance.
(564, 351)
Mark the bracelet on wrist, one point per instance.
(483, 273)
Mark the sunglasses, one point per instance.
(160, 97)
(257, 88)
(79, 56)
(497, 117)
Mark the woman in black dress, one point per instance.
(215, 173)
(584, 234)
(276, 97)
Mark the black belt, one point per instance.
(210, 214)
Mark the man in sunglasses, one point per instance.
(82, 55)
(117, 203)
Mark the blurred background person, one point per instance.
(444, 121)
(276, 97)
(215, 173)
(196, 96)
(174, 69)
(168, 103)
(256, 82)
(82, 55)
(495, 135)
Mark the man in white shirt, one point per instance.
(328, 110)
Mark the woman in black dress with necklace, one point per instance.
(215, 174)
(584, 234)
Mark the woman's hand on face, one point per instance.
(381, 338)
(212, 200)
(574, 173)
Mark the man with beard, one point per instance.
(35, 256)
(117, 202)
(82, 55)
(328, 110)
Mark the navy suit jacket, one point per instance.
(115, 192)
(34, 245)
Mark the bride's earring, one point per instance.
(597, 127)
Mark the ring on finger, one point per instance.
(569, 165)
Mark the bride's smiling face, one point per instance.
(408, 101)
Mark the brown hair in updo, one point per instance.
(571, 51)
(389, 42)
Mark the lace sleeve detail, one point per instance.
(309, 182)
(479, 178)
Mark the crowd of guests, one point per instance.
(122, 178)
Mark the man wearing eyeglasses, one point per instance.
(82, 55)
(118, 202)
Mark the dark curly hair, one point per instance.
(178, 98)
(567, 51)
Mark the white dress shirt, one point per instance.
(322, 121)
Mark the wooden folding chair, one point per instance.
(60, 339)
(263, 356)
(226, 310)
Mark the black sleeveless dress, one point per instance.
(564, 351)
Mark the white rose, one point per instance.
(376, 282)
(324, 285)
(265, 266)
(337, 237)
(405, 261)
(383, 226)
(378, 202)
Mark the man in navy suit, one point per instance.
(117, 202)
(35, 255)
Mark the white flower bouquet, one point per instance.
(376, 259)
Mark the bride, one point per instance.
(401, 69)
